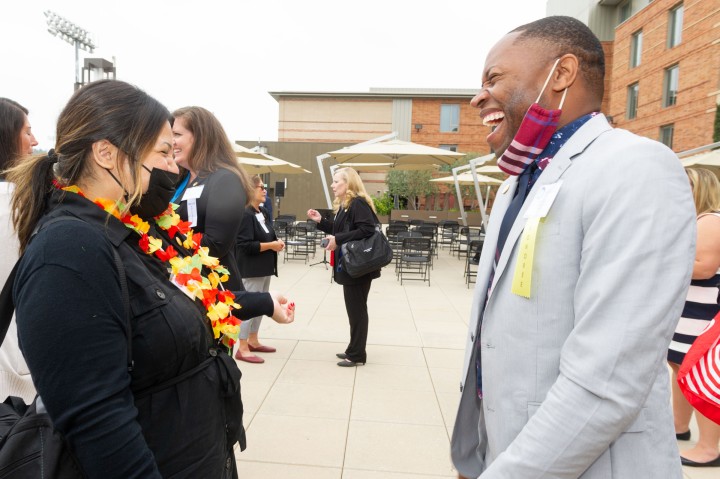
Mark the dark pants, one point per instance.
(356, 296)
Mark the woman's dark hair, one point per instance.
(12, 121)
(111, 110)
(211, 147)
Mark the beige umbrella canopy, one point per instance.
(467, 179)
(256, 163)
(396, 152)
(492, 171)
(385, 166)
(242, 152)
(709, 160)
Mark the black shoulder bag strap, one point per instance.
(7, 305)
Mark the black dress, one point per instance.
(73, 333)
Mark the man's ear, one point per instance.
(105, 154)
(566, 72)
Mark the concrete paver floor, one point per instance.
(390, 419)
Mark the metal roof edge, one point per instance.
(384, 93)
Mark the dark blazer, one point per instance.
(253, 263)
(219, 214)
(357, 222)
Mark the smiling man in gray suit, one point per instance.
(582, 278)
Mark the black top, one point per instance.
(357, 222)
(219, 214)
(251, 262)
(72, 330)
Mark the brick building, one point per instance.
(663, 64)
(441, 118)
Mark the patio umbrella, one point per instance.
(242, 152)
(397, 152)
(492, 171)
(271, 165)
(385, 166)
(467, 179)
(709, 160)
(257, 163)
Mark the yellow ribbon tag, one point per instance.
(522, 278)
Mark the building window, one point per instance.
(448, 147)
(666, 135)
(675, 24)
(449, 118)
(636, 49)
(632, 101)
(624, 11)
(670, 86)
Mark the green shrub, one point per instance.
(383, 204)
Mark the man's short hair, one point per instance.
(564, 35)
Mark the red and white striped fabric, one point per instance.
(535, 132)
(699, 375)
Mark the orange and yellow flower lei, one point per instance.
(186, 271)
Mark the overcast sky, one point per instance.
(227, 55)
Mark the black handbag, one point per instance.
(30, 446)
(363, 256)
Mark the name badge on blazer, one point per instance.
(193, 193)
(261, 219)
(543, 200)
(538, 209)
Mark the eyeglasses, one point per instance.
(262, 187)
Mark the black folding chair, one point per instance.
(415, 259)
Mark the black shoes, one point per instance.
(687, 462)
(346, 363)
(683, 436)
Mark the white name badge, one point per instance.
(543, 200)
(261, 219)
(192, 211)
(173, 280)
(193, 193)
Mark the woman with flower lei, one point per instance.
(166, 401)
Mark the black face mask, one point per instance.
(160, 190)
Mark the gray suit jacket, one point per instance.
(574, 379)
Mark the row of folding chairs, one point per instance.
(412, 251)
(465, 235)
(414, 258)
(472, 260)
(301, 238)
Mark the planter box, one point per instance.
(473, 218)
(407, 215)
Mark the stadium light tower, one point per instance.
(74, 35)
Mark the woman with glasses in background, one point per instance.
(257, 253)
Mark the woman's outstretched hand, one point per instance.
(284, 310)
(314, 215)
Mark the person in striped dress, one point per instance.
(700, 307)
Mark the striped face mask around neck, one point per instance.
(535, 132)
